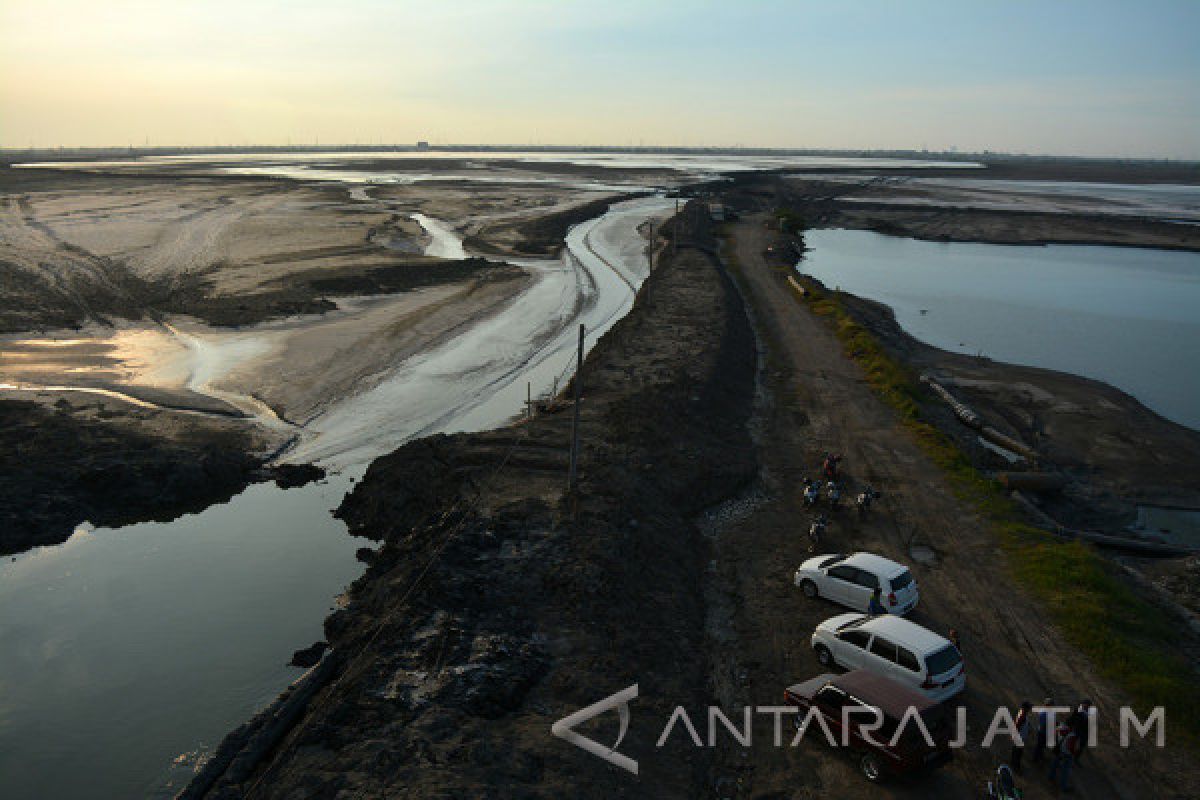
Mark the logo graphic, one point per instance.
(565, 728)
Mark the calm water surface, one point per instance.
(1127, 316)
(125, 649)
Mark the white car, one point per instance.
(850, 580)
(895, 648)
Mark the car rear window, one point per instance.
(943, 660)
(902, 581)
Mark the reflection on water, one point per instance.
(124, 648)
(1126, 316)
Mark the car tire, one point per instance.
(810, 589)
(824, 656)
(870, 767)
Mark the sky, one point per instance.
(1070, 77)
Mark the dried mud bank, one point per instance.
(491, 610)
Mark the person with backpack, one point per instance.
(1066, 750)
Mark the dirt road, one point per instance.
(816, 400)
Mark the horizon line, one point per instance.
(578, 148)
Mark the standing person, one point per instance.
(1080, 722)
(876, 606)
(1025, 726)
(1065, 753)
(830, 466)
(1043, 730)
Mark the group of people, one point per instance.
(1066, 737)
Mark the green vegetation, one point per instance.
(1126, 637)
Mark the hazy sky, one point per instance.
(1051, 76)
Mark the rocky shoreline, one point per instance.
(497, 603)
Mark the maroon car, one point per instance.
(860, 698)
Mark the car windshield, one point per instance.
(854, 623)
(943, 660)
(829, 562)
(901, 581)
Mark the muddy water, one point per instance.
(1126, 316)
(128, 653)
(480, 378)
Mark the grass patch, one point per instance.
(1126, 637)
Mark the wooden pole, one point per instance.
(573, 474)
(529, 400)
(650, 251)
(675, 230)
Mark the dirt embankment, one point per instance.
(1116, 452)
(110, 464)
(816, 400)
(490, 611)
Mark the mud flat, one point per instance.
(226, 251)
(181, 328)
(490, 609)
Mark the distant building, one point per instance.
(422, 145)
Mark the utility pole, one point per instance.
(675, 230)
(573, 474)
(650, 251)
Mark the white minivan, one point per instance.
(895, 648)
(850, 580)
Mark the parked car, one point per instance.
(893, 647)
(850, 580)
(860, 691)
